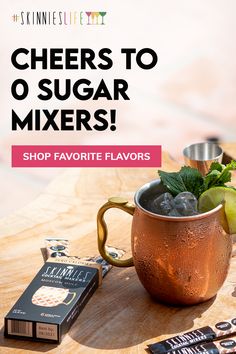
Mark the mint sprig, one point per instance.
(190, 179)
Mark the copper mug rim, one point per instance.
(147, 186)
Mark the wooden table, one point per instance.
(120, 317)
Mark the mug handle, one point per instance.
(119, 203)
(72, 298)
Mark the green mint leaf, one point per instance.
(189, 179)
(210, 179)
(172, 181)
(192, 179)
(231, 165)
(225, 175)
(216, 166)
(218, 175)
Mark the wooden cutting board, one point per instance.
(120, 317)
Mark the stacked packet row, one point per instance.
(197, 341)
(225, 346)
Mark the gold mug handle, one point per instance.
(114, 202)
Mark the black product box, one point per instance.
(53, 300)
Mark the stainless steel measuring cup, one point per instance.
(201, 155)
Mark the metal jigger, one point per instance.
(201, 156)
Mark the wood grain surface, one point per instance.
(120, 317)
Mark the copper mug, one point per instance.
(179, 260)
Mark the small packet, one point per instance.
(106, 267)
(56, 247)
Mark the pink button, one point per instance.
(86, 156)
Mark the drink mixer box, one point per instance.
(53, 300)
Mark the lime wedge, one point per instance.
(220, 195)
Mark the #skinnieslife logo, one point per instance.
(60, 18)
